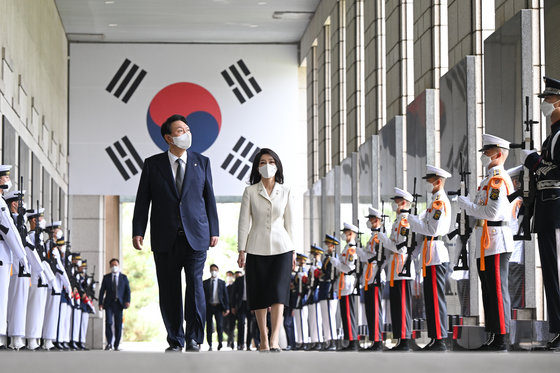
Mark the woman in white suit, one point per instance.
(265, 245)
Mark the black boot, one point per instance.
(377, 346)
(352, 346)
(331, 346)
(401, 346)
(436, 345)
(554, 343)
(499, 343)
(317, 347)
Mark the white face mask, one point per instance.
(9, 184)
(429, 187)
(368, 224)
(214, 274)
(42, 224)
(547, 108)
(268, 170)
(59, 234)
(485, 160)
(115, 269)
(184, 141)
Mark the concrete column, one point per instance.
(338, 82)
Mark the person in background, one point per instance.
(217, 305)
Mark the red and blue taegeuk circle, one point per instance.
(193, 102)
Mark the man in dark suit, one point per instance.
(217, 305)
(183, 222)
(241, 309)
(114, 296)
(230, 320)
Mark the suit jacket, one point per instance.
(222, 292)
(238, 287)
(107, 293)
(266, 222)
(194, 211)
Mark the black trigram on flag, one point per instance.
(235, 80)
(240, 159)
(125, 83)
(128, 157)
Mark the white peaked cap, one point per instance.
(436, 171)
(373, 212)
(403, 194)
(351, 227)
(491, 141)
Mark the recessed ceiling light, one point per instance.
(109, 2)
(253, 26)
(262, 3)
(113, 25)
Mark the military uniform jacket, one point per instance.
(301, 287)
(518, 254)
(325, 283)
(433, 222)
(546, 169)
(396, 260)
(11, 247)
(491, 203)
(313, 291)
(35, 261)
(370, 253)
(346, 264)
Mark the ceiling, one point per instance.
(186, 21)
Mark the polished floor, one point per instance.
(284, 362)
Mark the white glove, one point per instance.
(463, 202)
(454, 198)
(25, 264)
(525, 154)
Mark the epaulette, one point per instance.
(496, 172)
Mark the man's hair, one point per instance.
(215, 266)
(229, 273)
(114, 260)
(166, 126)
(505, 152)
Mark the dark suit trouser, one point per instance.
(216, 312)
(401, 305)
(495, 294)
(434, 301)
(348, 316)
(289, 327)
(374, 312)
(230, 327)
(113, 317)
(549, 249)
(169, 266)
(516, 279)
(243, 315)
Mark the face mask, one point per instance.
(63, 249)
(184, 141)
(214, 274)
(59, 234)
(547, 108)
(9, 184)
(43, 224)
(486, 160)
(267, 171)
(79, 263)
(368, 224)
(115, 269)
(394, 205)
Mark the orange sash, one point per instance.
(396, 256)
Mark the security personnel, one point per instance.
(18, 293)
(493, 210)
(400, 286)
(516, 276)
(301, 282)
(372, 279)
(433, 224)
(328, 299)
(346, 265)
(546, 169)
(11, 252)
(314, 316)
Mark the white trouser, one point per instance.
(4, 285)
(302, 332)
(35, 311)
(68, 321)
(84, 325)
(328, 317)
(52, 310)
(17, 303)
(77, 325)
(315, 331)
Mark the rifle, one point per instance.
(358, 269)
(410, 242)
(528, 187)
(21, 214)
(90, 290)
(332, 275)
(463, 229)
(380, 253)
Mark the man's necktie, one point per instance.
(179, 175)
(115, 286)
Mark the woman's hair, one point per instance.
(255, 174)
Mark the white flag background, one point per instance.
(257, 107)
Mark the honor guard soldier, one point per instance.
(52, 308)
(516, 275)
(41, 275)
(66, 301)
(373, 277)
(545, 168)
(328, 299)
(346, 266)
(18, 293)
(301, 282)
(433, 224)
(87, 305)
(11, 253)
(493, 210)
(315, 332)
(400, 285)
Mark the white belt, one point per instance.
(548, 184)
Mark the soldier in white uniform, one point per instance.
(315, 331)
(373, 278)
(346, 265)
(400, 286)
(18, 292)
(66, 300)
(300, 310)
(41, 275)
(328, 299)
(11, 252)
(433, 224)
(516, 276)
(493, 210)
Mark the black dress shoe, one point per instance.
(317, 347)
(352, 346)
(107, 348)
(192, 346)
(437, 345)
(219, 346)
(554, 343)
(173, 349)
(402, 346)
(497, 343)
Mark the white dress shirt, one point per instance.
(173, 161)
